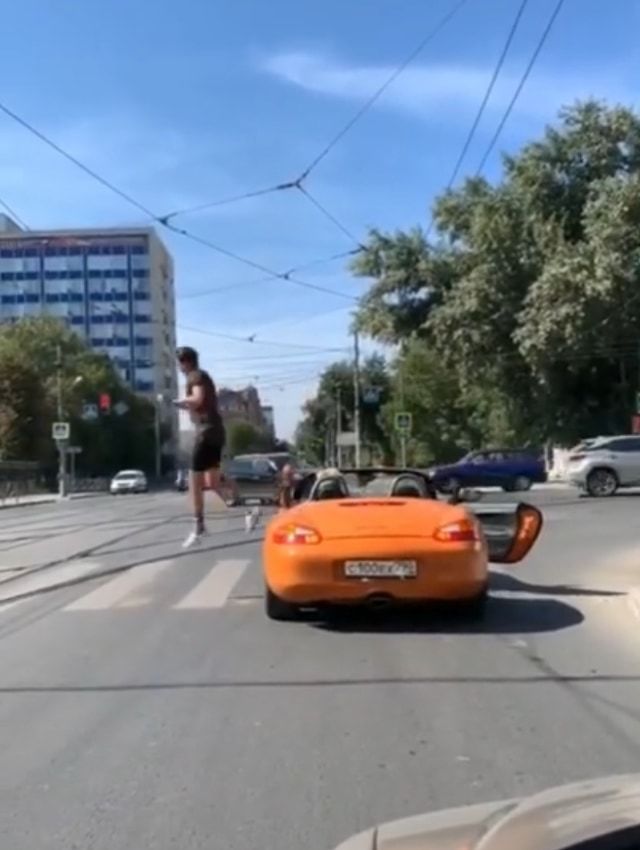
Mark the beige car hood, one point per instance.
(551, 820)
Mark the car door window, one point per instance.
(240, 468)
(263, 468)
(625, 454)
(624, 444)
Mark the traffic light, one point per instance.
(104, 402)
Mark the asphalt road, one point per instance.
(156, 707)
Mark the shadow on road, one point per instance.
(506, 581)
(503, 616)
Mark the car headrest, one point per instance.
(408, 487)
(334, 487)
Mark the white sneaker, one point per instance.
(193, 539)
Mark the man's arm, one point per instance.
(193, 401)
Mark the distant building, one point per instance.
(114, 287)
(269, 419)
(242, 406)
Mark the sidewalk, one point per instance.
(44, 499)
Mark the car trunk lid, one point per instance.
(378, 517)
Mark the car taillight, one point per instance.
(573, 458)
(461, 531)
(293, 534)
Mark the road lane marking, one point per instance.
(216, 587)
(122, 591)
(6, 606)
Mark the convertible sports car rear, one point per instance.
(389, 550)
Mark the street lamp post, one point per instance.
(62, 462)
(159, 400)
(356, 395)
(62, 444)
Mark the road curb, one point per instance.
(50, 500)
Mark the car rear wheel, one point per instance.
(278, 609)
(602, 482)
(519, 484)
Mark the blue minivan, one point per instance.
(511, 469)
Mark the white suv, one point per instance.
(601, 466)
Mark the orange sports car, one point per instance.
(381, 536)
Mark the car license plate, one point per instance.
(380, 569)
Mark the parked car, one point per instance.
(182, 480)
(255, 477)
(601, 466)
(511, 469)
(129, 481)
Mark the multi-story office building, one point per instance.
(114, 287)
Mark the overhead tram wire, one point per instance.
(159, 219)
(294, 270)
(328, 215)
(164, 220)
(252, 339)
(233, 199)
(366, 106)
(534, 57)
(483, 105)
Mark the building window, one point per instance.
(19, 263)
(139, 262)
(64, 264)
(107, 262)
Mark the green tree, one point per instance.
(28, 374)
(243, 438)
(531, 295)
(336, 392)
(23, 410)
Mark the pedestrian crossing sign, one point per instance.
(403, 423)
(60, 430)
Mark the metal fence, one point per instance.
(21, 479)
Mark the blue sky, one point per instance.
(182, 104)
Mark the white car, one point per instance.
(129, 481)
(601, 466)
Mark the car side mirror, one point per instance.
(511, 532)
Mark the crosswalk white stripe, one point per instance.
(215, 588)
(122, 591)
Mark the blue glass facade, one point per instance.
(99, 285)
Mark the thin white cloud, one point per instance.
(152, 163)
(429, 90)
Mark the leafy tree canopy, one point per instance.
(531, 295)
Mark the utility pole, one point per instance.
(338, 457)
(159, 400)
(403, 436)
(62, 465)
(356, 394)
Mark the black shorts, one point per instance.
(207, 452)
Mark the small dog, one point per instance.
(251, 519)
